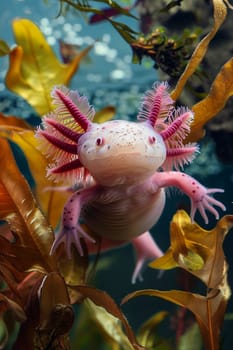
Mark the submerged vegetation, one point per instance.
(40, 292)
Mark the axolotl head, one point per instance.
(119, 151)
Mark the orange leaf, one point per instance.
(220, 12)
(214, 102)
(51, 202)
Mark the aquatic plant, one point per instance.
(39, 289)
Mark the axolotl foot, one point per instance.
(146, 249)
(69, 236)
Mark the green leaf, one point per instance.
(4, 48)
(148, 335)
(102, 299)
(109, 325)
(191, 339)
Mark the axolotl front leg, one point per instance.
(71, 231)
(199, 195)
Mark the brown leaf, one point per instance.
(13, 306)
(56, 314)
(209, 311)
(73, 271)
(19, 209)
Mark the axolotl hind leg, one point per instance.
(146, 249)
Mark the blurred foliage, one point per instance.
(37, 289)
(169, 54)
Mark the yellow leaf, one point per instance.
(201, 252)
(34, 69)
(220, 12)
(104, 114)
(165, 262)
(51, 201)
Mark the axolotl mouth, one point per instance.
(121, 150)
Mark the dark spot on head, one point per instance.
(193, 191)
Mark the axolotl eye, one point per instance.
(151, 140)
(99, 141)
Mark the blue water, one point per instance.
(110, 66)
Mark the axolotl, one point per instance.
(121, 169)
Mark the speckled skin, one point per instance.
(123, 192)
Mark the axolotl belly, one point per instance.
(121, 169)
(126, 215)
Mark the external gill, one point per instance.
(78, 116)
(60, 134)
(156, 104)
(178, 154)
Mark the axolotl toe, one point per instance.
(122, 169)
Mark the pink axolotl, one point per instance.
(122, 168)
